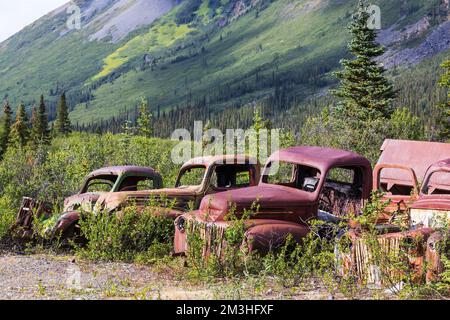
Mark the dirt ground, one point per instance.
(48, 276)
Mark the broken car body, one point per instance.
(197, 178)
(99, 182)
(428, 216)
(296, 183)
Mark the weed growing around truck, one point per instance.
(129, 235)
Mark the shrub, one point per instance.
(7, 216)
(133, 234)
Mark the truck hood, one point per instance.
(83, 201)
(111, 201)
(272, 201)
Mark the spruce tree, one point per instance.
(144, 120)
(62, 125)
(42, 132)
(19, 130)
(7, 120)
(364, 91)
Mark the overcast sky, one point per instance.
(17, 14)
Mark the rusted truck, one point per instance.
(197, 178)
(297, 183)
(419, 195)
(100, 182)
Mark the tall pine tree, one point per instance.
(7, 121)
(19, 130)
(364, 91)
(40, 132)
(62, 125)
(144, 120)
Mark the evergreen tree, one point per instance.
(40, 131)
(62, 125)
(443, 116)
(364, 91)
(34, 127)
(144, 120)
(19, 130)
(7, 119)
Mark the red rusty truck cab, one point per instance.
(296, 183)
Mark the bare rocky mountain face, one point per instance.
(432, 39)
(112, 20)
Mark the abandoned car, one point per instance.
(100, 182)
(297, 183)
(197, 177)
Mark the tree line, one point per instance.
(35, 130)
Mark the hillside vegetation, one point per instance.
(210, 56)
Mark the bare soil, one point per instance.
(47, 276)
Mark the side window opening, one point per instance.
(100, 184)
(231, 176)
(437, 183)
(192, 176)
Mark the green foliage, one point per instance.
(126, 235)
(144, 121)
(443, 116)
(62, 124)
(19, 130)
(4, 135)
(366, 93)
(39, 124)
(227, 254)
(7, 216)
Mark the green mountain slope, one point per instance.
(210, 53)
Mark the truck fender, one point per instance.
(64, 222)
(267, 237)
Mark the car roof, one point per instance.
(118, 170)
(221, 159)
(417, 155)
(320, 157)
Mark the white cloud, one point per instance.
(17, 14)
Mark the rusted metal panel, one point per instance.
(438, 244)
(417, 155)
(29, 210)
(376, 263)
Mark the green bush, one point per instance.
(7, 216)
(131, 234)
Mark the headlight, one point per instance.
(180, 224)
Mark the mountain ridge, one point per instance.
(202, 52)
